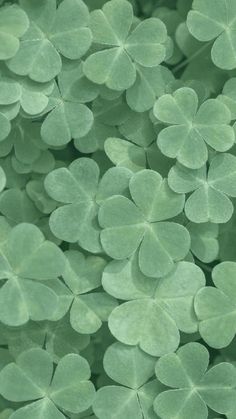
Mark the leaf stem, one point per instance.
(189, 59)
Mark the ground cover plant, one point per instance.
(117, 209)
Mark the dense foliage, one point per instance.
(117, 209)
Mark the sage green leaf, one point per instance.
(194, 388)
(146, 43)
(28, 378)
(142, 224)
(52, 31)
(41, 407)
(124, 280)
(204, 241)
(190, 128)
(13, 24)
(121, 400)
(70, 34)
(128, 365)
(121, 48)
(207, 23)
(25, 258)
(209, 200)
(17, 207)
(72, 391)
(150, 84)
(167, 310)
(125, 154)
(61, 339)
(79, 188)
(87, 310)
(31, 377)
(126, 402)
(68, 119)
(215, 307)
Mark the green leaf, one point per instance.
(194, 388)
(166, 311)
(190, 128)
(30, 378)
(207, 23)
(121, 49)
(126, 225)
(209, 200)
(13, 24)
(215, 307)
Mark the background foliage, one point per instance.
(117, 209)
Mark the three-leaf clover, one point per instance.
(153, 321)
(26, 260)
(79, 188)
(191, 129)
(215, 21)
(32, 378)
(194, 388)
(129, 225)
(209, 200)
(215, 306)
(131, 368)
(67, 119)
(52, 31)
(88, 309)
(121, 46)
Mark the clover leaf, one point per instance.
(207, 23)
(13, 24)
(204, 241)
(166, 310)
(26, 259)
(79, 188)
(31, 378)
(194, 388)
(127, 224)
(215, 307)
(52, 31)
(68, 118)
(144, 45)
(88, 309)
(209, 200)
(131, 368)
(150, 84)
(191, 129)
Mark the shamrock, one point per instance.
(82, 275)
(122, 47)
(131, 368)
(26, 259)
(32, 378)
(192, 128)
(78, 186)
(13, 24)
(52, 31)
(153, 321)
(209, 200)
(67, 119)
(215, 21)
(194, 388)
(127, 225)
(215, 307)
